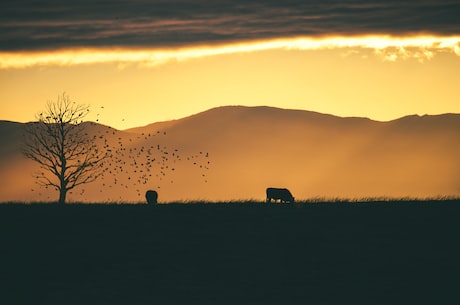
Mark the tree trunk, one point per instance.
(62, 196)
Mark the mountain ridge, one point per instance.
(169, 123)
(235, 152)
(235, 110)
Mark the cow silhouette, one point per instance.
(151, 197)
(283, 195)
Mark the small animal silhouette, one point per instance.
(284, 195)
(151, 197)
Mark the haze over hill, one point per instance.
(235, 152)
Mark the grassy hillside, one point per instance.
(234, 253)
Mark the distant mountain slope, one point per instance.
(235, 152)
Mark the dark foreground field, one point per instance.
(367, 253)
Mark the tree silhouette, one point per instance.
(60, 143)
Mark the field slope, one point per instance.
(367, 253)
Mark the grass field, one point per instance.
(231, 253)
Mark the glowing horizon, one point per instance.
(389, 48)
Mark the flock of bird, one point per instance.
(137, 162)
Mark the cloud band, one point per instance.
(57, 24)
(388, 47)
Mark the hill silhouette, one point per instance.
(235, 152)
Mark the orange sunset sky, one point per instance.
(170, 62)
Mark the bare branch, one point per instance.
(62, 147)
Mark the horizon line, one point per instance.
(257, 106)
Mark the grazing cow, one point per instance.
(284, 195)
(151, 196)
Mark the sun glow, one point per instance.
(389, 48)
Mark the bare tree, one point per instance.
(60, 143)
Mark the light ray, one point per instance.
(389, 48)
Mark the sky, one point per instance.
(139, 62)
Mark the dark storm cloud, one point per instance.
(27, 25)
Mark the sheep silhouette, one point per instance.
(282, 194)
(151, 197)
